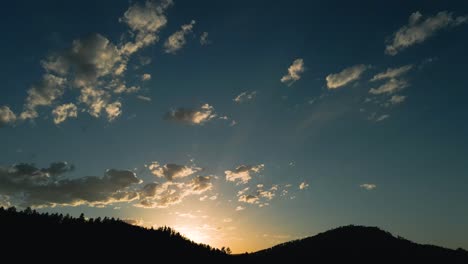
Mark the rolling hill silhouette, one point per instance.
(51, 236)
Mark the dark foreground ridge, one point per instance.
(59, 238)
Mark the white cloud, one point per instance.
(244, 97)
(95, 99)
(303, 186)
(144, 98)
(248, 198)
(146, 77)
(418, 30)
(294, 72)
(392, 73)
(382, 118)
(397, 99)
(62, 112)
(240, 208)
(7, 117)
(204, 39)
(391, 86)
(345, 77)
(242, 173)
(145, 21)
(192, 116)
(172, 171)
(227, 220)
(368, 186)
(177, 40)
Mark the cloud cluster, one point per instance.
(345, 77)
(193, 116)
(294, 72)
(259, 196)
(95, 67)
(155, 195)
(37, 187)
(418, 30)
(242, 174)
(245, 96)
(177, 40)
(303, 186)
(392, 73)
(172, 171)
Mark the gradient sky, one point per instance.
(164, 113)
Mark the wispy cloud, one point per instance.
(303, 186)
(177, 40)
(204, 39)
(345, 77)
(294, 72)
(62, 112)
(7, 117)
(245, 96)
(392, 73)
(172, 171)
(418, 30)
(391, 86)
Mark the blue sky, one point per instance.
(330, 113)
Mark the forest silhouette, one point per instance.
(49, 237)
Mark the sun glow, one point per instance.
(196, 234)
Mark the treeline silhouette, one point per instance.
(108, 239)
(61, 238)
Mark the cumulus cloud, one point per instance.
(418, 30)
(113, 110)
(197, 116)
(294, 72)
(145, 21)
(146, 77)
(303, 186)
(260, 196)
(392, 73)
(177, 40)
(244, 97)
(242, 174)
(389, 87)
(345, 77)
(43, 93)
(37, 187)
(7, 117)
(62, 112)
(204, 39)
(172, 171)
(248, 198)
(368, 186)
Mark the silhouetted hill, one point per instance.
(359, 244)
(50, 237)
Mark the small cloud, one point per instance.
(391, 86)
(204, 39)
(177, 40)
(294, 72)
(418, 30)
(233, 123)
(368, 186)
(382, 118)
(242, 174)
(144, 98)
(146, 77)
(7, 117)
(244, 97)
(227, 220)
(113, 110)
(196, 116)
(62, 112)
(392, 73)
(303, 186)
(240, 208)
(345, 77)
(397, 99)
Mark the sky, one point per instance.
(241, 123)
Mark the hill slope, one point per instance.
(362, 245)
